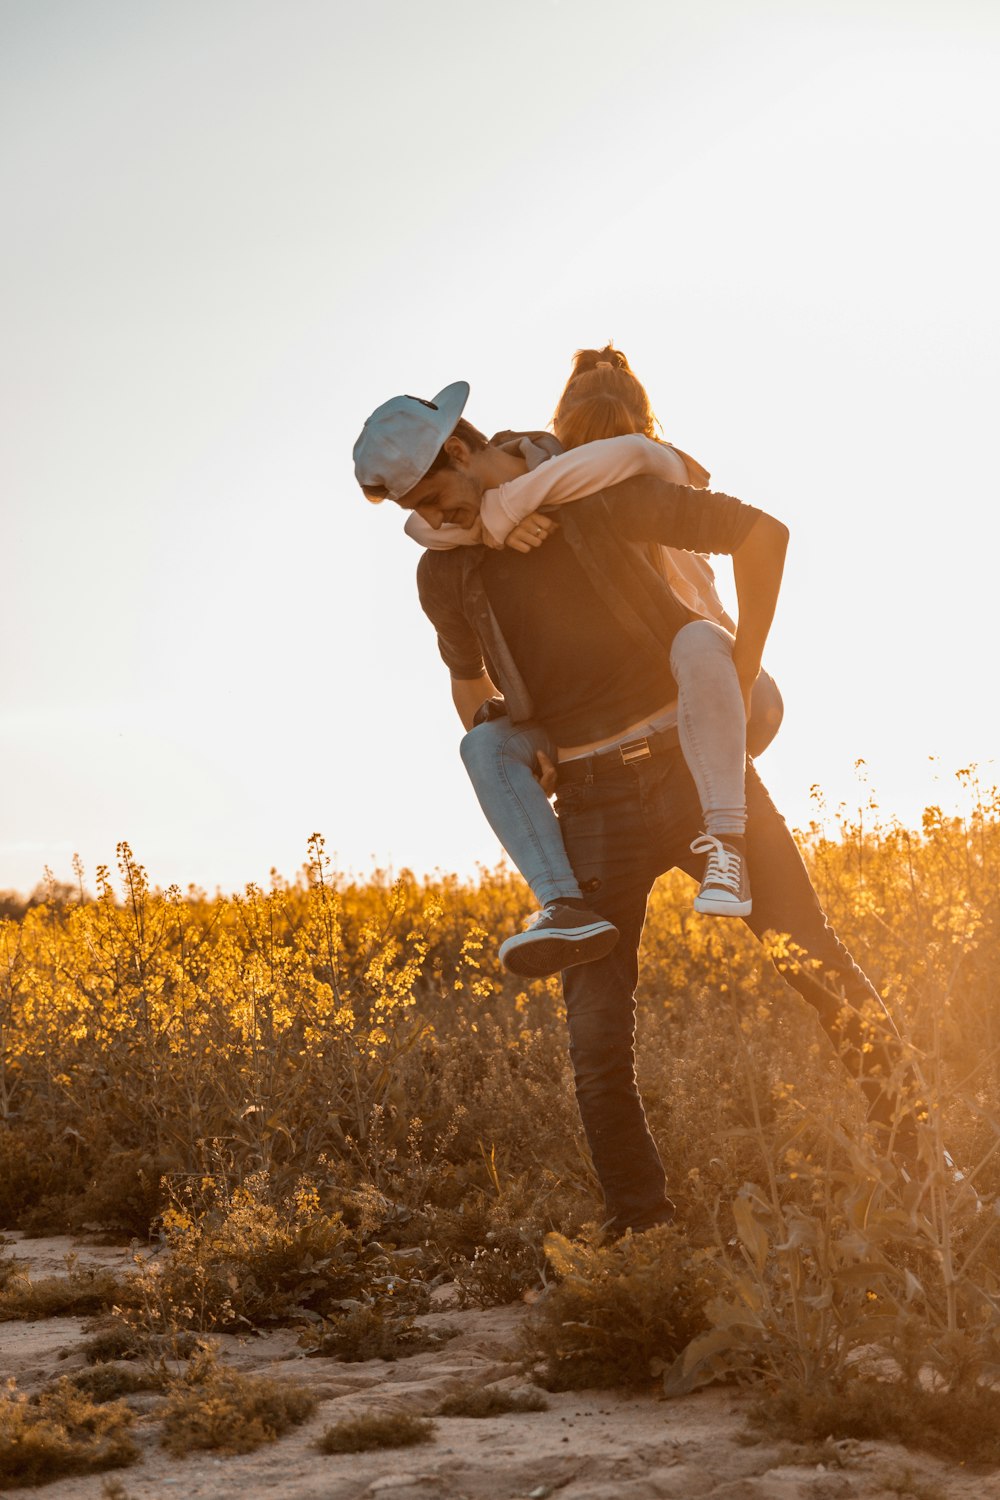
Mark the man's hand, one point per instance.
(546, 773)
(747, 671)
(468, 693)
(531, 532)
(746, 688)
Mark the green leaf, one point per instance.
(753, 1236)
(706, 1358)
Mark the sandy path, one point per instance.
(588, 1446)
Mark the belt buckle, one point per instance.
(632, 750)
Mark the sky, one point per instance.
(234, 227)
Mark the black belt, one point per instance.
(614, 757)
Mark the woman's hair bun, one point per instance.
(591, 359)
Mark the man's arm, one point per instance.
(758, 562)
(458, 644)
(468, 694)
(647, 509)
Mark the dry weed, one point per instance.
(61, 1433)
(210, 1406)
(361, 1434)
(81, 1293)
(617, 1312)
(370, 1333)
(487, 1401)
(963, 1426)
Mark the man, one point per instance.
(515, 623)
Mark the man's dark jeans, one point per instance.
(622, 829)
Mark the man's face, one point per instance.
(452, 495)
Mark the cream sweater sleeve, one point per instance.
(570, 476)
(444, 538)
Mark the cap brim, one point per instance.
(451, 403)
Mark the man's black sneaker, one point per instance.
(559, 937)
(725, 887)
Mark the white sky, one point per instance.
(233, 227)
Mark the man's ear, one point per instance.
(458, 451)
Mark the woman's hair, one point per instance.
(602, 399)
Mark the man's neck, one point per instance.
(494, 466)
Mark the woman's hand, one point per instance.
(531, 532)
(545, 773)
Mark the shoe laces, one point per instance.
(724, 864)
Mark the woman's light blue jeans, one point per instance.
(500, 758)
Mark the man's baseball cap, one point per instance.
(402, 438)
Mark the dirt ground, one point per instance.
(593, 1445)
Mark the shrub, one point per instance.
(360, 1434)
(115, 1338)
(113, 1489)
(842, 1255)
(80, 1294)
(487, 1401)
(124, 1194)
(964, 1426)
(368, 1333)
(617, 1312)
(61, 1433)
(210, 1406)
(247, 1261)
(108, 1382)
(494, 1244)
(40, 1173)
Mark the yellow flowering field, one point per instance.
(330, 1090)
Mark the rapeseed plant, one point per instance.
(252, 1258)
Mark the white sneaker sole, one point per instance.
(718, 906)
